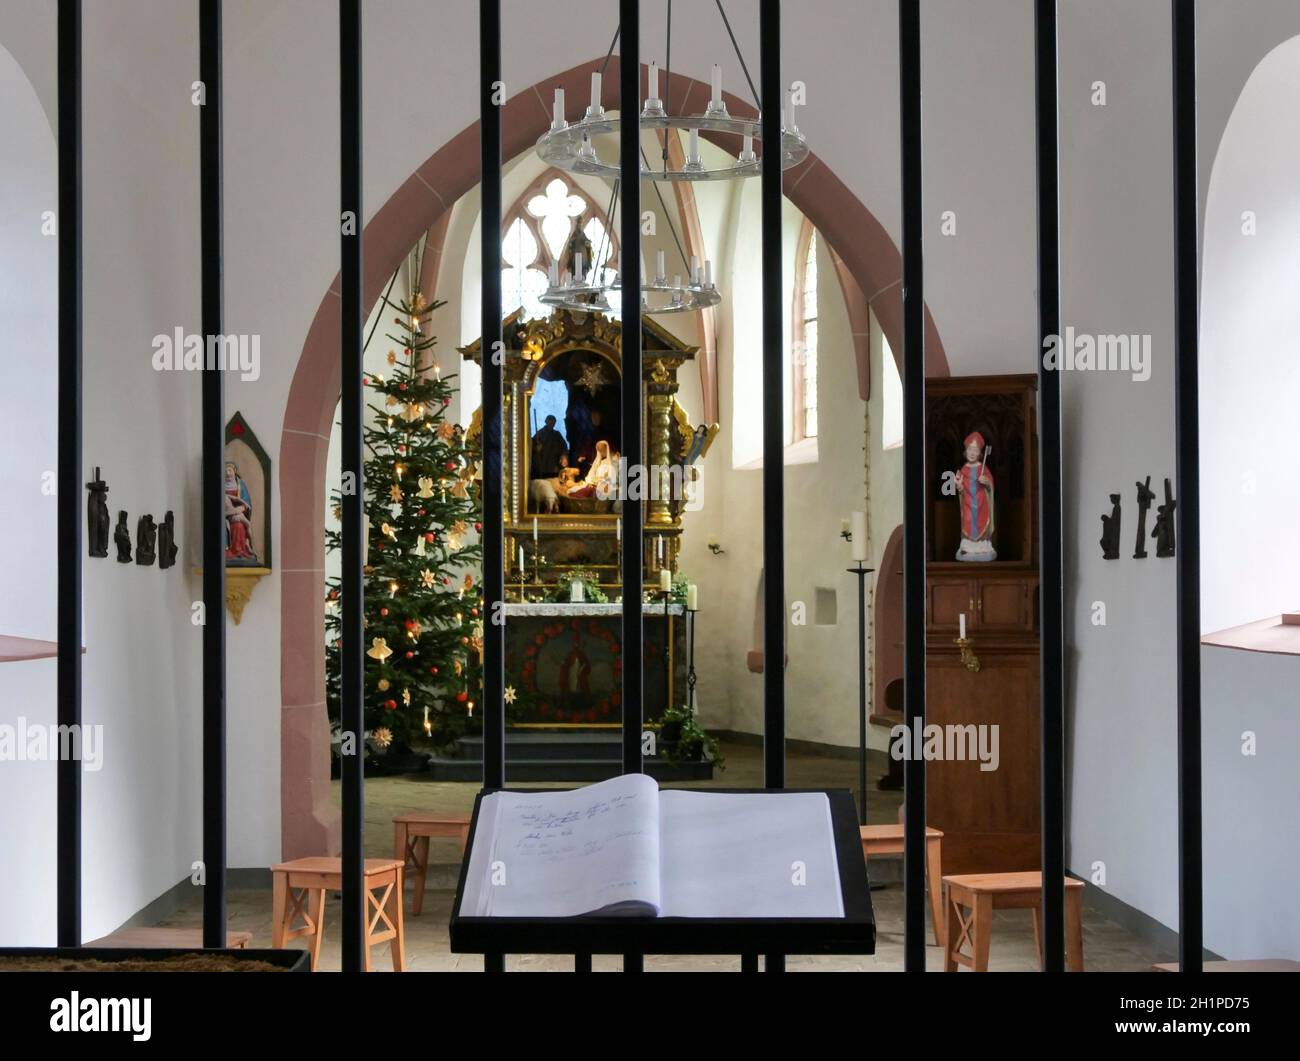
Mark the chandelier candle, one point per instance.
(659, 267)
(653, 92)
(716, 100)
(858, 536)
(595, 107)
(557, 111)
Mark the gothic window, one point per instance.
(537, 231)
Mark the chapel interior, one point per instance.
(565, 488)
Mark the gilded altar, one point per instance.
(563, 479)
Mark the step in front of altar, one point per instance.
(558, 755)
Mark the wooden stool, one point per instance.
(888, 840)
(411, 833)
(973, 897)
(168, 938)
(299, 888)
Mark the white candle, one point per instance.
(961, 626)
(695, 269)
(858, 521)
(555, 274)
(677, 279)
(577, 592)
(665, 579)
(534, 530)
(578, 270)
(659, 265)
(659, 548)
(437, 370)
(618, 530)
(717, 84)
(557, 112)
(654, 81)
(708, 273)
(693, 155)
(693, 598)
(747, 150)
(521, 558)
(595, 90)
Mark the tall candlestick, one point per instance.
(595, 90)
(654, 82)
(717, 84)
(858, 521)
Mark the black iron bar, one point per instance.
(769, 46)
(70, 492)
(914, 486)
(1188, 512)
(213, 431)
(629, 146)
(351, 341)
(1050, 498)
(493, 358)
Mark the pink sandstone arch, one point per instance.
(866, 260)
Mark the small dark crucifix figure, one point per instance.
(97, 520)
(122, 537)
(1110, 531)
(1145, 496)
(146, 533)
(1164, 530)
(167, 541)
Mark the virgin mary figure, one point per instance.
(601, 479)
(975, 488)
(239, 513)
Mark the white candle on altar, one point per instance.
(653, 92)
(595, 90)
(577, 592)
(534, 530)
(961, 626)
(618, 529)
(692, 598)
(557, 111)
(858, 521)
(665, 579)
(717, 84)
(659, 548)
(521, 558)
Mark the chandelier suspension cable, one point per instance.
(668, 78)
(663, 205)
(727, 22)
(612, 45)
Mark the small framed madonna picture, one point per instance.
(247, 489)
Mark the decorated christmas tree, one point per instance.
(423, 617)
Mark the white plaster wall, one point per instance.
(1250, 368)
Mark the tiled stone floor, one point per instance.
(1107, 946)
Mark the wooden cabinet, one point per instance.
(989, 814)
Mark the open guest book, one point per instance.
(624, 847)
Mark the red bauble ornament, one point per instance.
(477, 526)
(430, 537)
(433, 670)
(401, 386)
(410, 624)
(462, 696)
(451, 466)
(383, 611)
(391, 705)
(410, 655)
(422, 512)
(446, 401)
